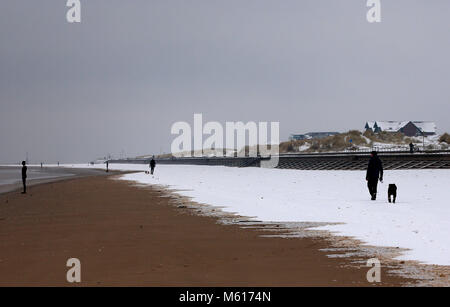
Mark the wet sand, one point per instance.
(11, 180)
(132, 236)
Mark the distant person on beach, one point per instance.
(374, 173)
(152, 165)
(107, 166)
(24, 177)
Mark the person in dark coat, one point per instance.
(24, 177)
(152, 165)
(411, 147)
(374, 173)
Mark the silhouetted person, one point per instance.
(152, 165)
(107, 166)
(41, 164)
(374, 173)
(411, 147)
(24, 177)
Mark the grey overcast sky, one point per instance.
(118, 80)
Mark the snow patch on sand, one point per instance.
(419, 221)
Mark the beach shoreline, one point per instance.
(51, 174)
(130, 235)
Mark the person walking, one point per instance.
(374, 173)
(152, 165)
(24, 177)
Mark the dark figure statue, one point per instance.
(374, 173)
(152, 165)
(392, 191)
(24, 177)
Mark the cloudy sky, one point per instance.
(117, 81)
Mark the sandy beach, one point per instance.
(126, 235)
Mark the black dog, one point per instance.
(392, 191)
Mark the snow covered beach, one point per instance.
(419, 221)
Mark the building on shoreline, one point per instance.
(408, 128)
